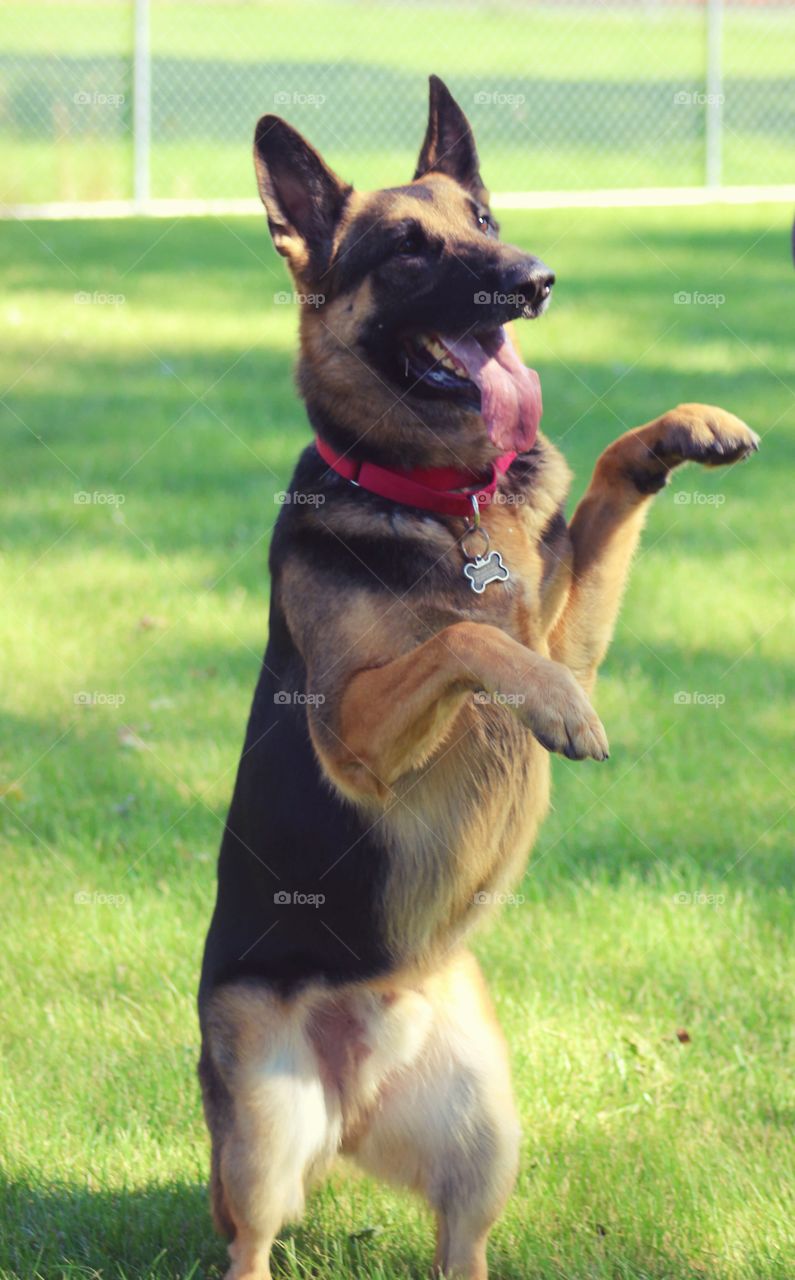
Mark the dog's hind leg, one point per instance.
(218, 1113)
(446, 1126)
(273, 1124)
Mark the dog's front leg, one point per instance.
(607, 523)
(393, 717)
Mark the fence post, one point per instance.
(142, 105)
(714, 96)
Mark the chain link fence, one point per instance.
(147, 100)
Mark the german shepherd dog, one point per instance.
(396, 763)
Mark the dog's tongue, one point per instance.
(510, 392)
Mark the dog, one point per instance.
(436, 627)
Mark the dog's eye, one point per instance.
(410, 244)
(486, 224)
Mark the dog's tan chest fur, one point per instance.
(461, 824)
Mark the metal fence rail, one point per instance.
(143, 101)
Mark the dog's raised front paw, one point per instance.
(689, 433)
(702, 433)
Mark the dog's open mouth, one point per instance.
(483, 370)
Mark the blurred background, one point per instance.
(154, 99)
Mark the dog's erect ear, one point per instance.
(303, 198)
(449, 146)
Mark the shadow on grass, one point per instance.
(67, 1230)
(164, 1232)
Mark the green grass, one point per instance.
(585, 94)
(644, 1158)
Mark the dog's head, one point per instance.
(404, 294)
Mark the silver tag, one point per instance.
(484, 570)
(483, 566)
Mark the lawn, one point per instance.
(645, 979)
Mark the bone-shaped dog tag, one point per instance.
(485, 569)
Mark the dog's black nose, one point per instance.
(532, 283)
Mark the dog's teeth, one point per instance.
(440, 355)
(452, 365)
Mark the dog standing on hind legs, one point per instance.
(435, 632)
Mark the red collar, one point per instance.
(441, 489)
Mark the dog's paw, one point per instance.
(560, 717)
(701, 433)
